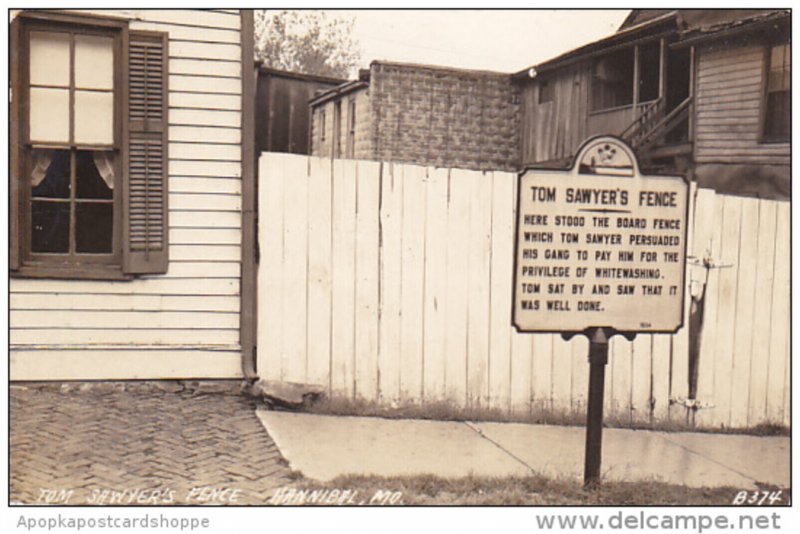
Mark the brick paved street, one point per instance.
(156, 442)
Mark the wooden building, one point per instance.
(132, 172)
(282, 111)
(420, 114)
(702, 91)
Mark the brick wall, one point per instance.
(363, 134)
(428, 116)
(362, 148)
(444, 117)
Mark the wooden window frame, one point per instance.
(72, 265)
(764, 138)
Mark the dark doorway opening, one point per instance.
(649, 72)
(679, 66)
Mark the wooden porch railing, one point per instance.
(649, 115)
(661, 128)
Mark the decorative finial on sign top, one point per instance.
(606, 155)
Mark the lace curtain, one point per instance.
(103, 160)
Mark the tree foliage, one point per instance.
(307, 41)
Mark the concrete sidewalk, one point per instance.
(324, 447)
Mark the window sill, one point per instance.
(85, 272)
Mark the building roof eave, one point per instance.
(477, 73)
(297, 75)
(588, 50)
(702, 35)
(338, 91)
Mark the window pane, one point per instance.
(49, 59)
(49, 226)
(91, 183)
(49, 115)
(50, 173)
(94, 117)
(94, 224)
(94, 62)
(612, 83)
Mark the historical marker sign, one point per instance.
(600, 245)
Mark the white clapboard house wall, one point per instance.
(180, 316)
(393, 284)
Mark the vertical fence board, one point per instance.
(270, 279)
(787, 399)
(502, 277)
(760, 357)
(640, 377)
(712, 336)
(779, 377)
(579, 374)
(707, 245)
(390, 277)
(521, 364)
(745, 301)
(540, 393)
(295, 251)
(435, 283)
(457, 280)
(478, 288)
(343, 271)
(679, 386)
(367, 280)
(412, 269)
(319, 271)
(619, 392)
(522, 360)
(726, 307)
(561, 374)
(659, 398)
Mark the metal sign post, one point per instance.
(598, 358)
(600, 244)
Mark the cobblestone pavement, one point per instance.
(151, 443)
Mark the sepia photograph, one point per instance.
(403, 258)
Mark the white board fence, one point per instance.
(393, 283)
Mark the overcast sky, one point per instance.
(501, 40)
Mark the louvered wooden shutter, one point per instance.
(145, 220)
